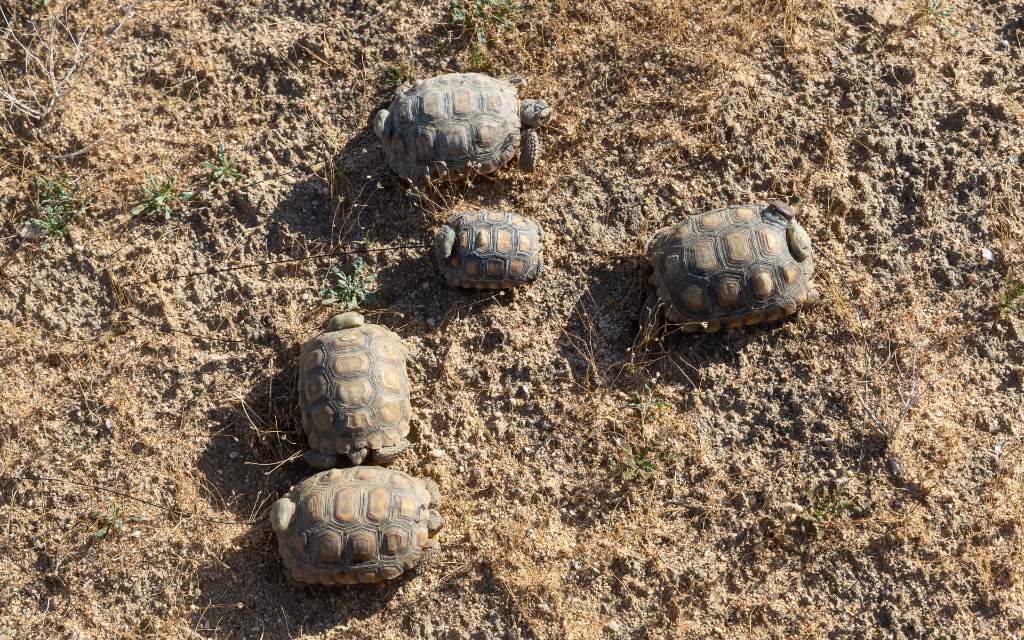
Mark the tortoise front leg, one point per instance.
(386, 455)
(429, 553)
(357, 455)
(531, 150)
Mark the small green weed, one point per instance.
(1012, 301)
(58, 201)
(826, 508)
(397, 74)
(160, 196)
(483, 18)
(937, 12)
(111, 521)
(350, 291)
(479, 61)
(649, 402)
(641, 461)
(223, 168)
(440, 46)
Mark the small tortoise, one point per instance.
(490, 250)
(459, 123)
(362, 524)
(730, 267)
(354, 393)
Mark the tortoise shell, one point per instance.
(452, 124)
(490, 250)
(362, 524)
(354, 391)
(732, 267)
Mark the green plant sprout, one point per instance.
(58, 201)
(349, 291)
(223, 168)
(111, 522)
(641, 461)
(160, 196)
(480, 17)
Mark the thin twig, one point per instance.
(56, 82)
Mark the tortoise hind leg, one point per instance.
(386, 455)
(434, 519)
(434, 491)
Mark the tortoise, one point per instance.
(459, 123)
(730, 267)
(490, 250)
(361, 524)
(354, 393)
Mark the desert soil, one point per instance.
(853, 472)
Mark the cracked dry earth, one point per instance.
(853, 472)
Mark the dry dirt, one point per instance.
(854, 472)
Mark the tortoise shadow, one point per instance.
(603, 347)
(351, 199)
(245, 593)
(253, 454)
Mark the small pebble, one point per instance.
(895, 468)
(987, 255)
(30, 232)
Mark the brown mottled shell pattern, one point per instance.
(363, 524)
(452, 124)
(729, 268)
(354, 389)
(494, 250)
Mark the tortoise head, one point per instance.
(443, 243)
(798, 240)
(346, 320)
(380, 123)
(281, 515)
(533, 113)
(796, 236)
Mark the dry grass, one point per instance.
(854, 472)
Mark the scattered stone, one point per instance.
(30, 231)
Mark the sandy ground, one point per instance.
(854, 472)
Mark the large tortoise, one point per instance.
(354, 393)
(490, 250)
(730, 267)
(459, 123)
(362, 524)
